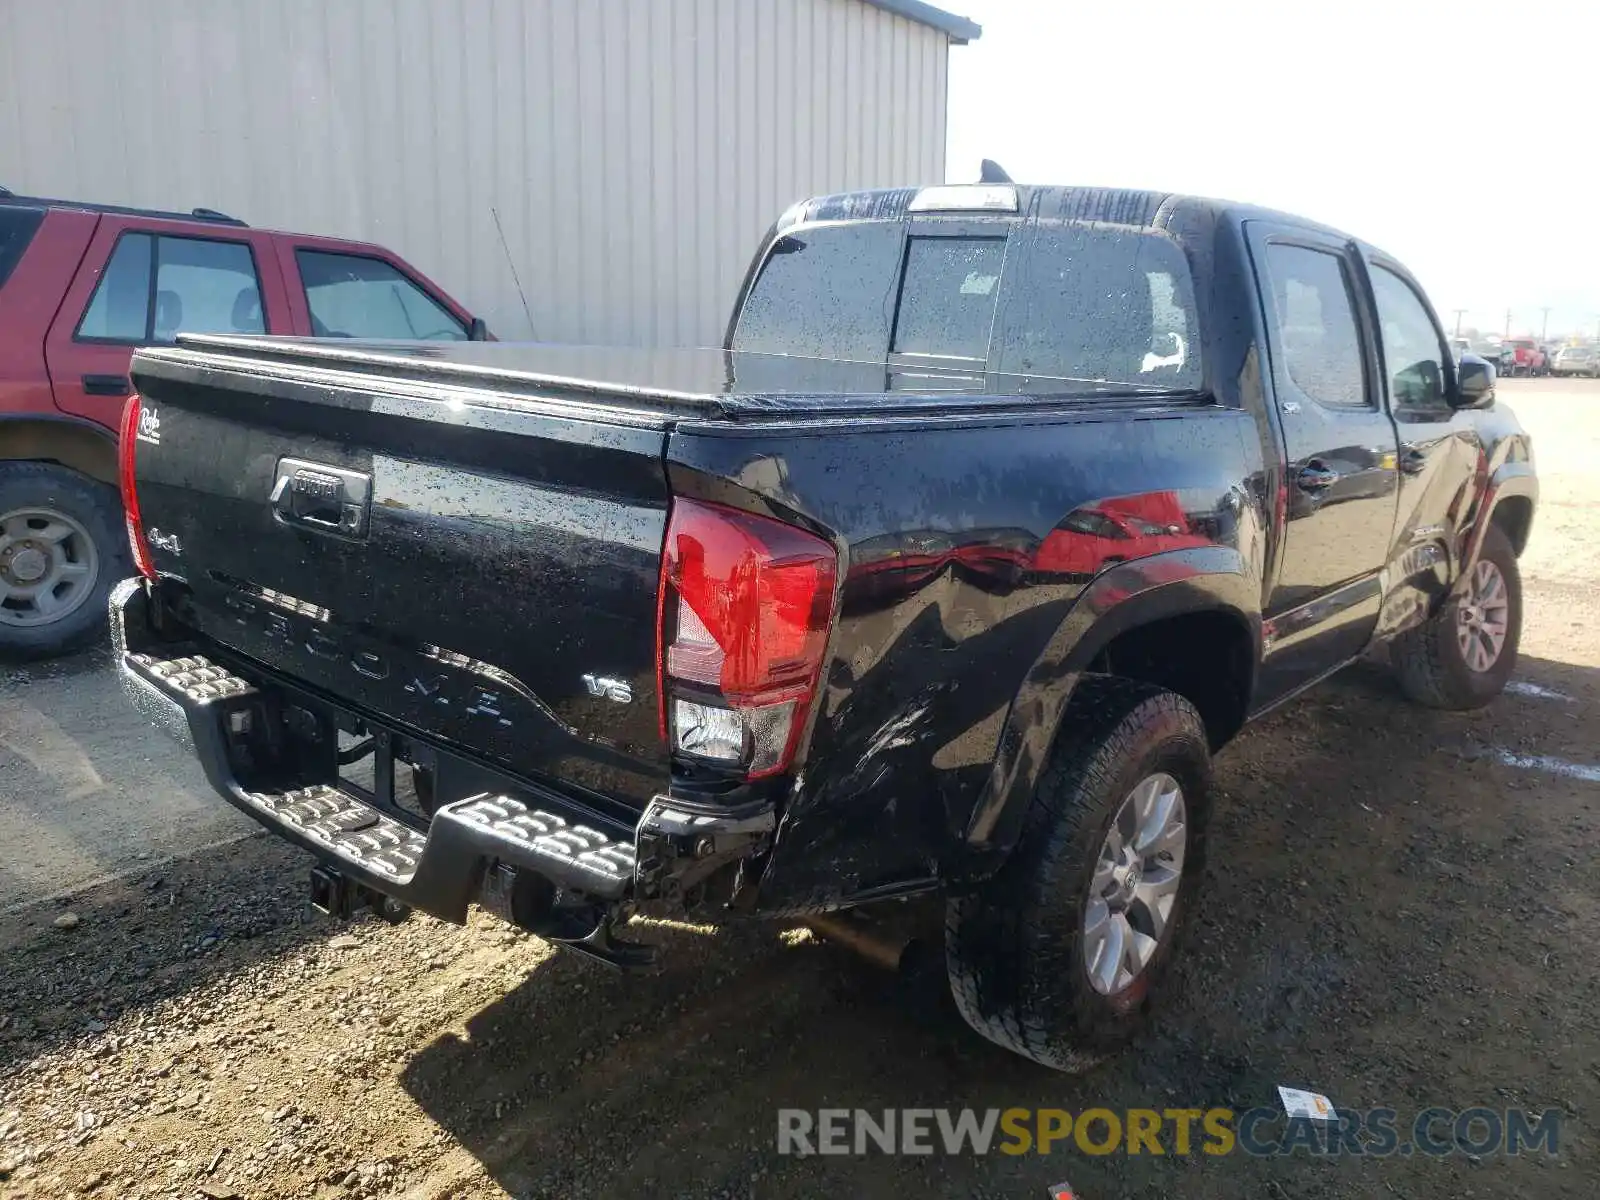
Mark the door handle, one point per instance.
(1314, 477)
(106, 385)
(1412, 460)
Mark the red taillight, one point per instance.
(126, 449)
(745, 608)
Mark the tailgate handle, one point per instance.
(320, 498)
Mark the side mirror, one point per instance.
(1474, 383)
(478, 330)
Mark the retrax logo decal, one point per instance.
(149, 426)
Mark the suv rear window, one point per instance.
(17, 227)
(1092, 304)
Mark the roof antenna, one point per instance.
(993, 172)
(532, 332)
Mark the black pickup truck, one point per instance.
(1000, 512)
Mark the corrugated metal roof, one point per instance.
(960, 30)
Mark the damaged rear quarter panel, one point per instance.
(965, 543)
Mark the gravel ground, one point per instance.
(1394, 916)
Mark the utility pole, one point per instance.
(1508, 323)
(1459, 313)
(1544, 327)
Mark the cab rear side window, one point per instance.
(1314, 304)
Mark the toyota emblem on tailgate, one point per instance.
(321, 498)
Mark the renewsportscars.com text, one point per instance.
(1259, 1132)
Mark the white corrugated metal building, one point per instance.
(633, 150)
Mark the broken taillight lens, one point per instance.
(746, 602)
(127, 448)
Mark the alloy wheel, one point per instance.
(1135, 884)
(1483, 617)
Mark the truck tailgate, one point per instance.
(483, 570)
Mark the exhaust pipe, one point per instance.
(882, 948)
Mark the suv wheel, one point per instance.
(1059, 955)
(1463, 657)
(61, 549)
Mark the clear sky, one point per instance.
(1463, 138)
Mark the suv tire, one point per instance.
(1436, 663)
(56, 524)
(1019, 950)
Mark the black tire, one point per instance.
(1428, 660)
(97, 510)
(1014, 948)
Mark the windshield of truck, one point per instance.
(1101, 305)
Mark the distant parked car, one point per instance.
(1460, 346)
(1577, 360)
(81, 285)
(1527, 357)
(1499, 354)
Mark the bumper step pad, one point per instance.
(354, 831)
(437, 871)
(196, 679)
(551, 838)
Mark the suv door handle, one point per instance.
(1314, 477)
(106, 385)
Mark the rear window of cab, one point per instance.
(1072, 302)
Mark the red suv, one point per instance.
(1528, 357)
(80, 286)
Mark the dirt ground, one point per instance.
(1395, 915)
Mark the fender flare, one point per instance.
(1210, 579)
(53, 432)
(1509, 479)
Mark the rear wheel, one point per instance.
(1463, 657)
(62, 546)
(1059, 956)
